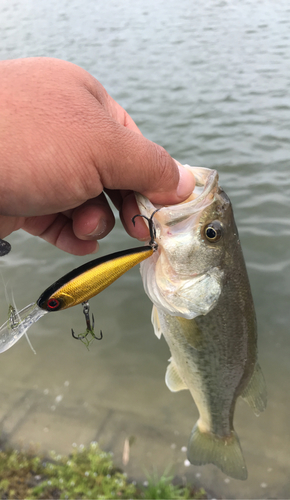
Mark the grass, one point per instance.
(86, 473)
(163, 488)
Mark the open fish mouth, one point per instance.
(203, 194)
(171, 277)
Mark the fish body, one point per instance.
(198, 283)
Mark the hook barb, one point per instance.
(89, 327)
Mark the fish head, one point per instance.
(184, 277)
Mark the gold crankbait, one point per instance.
(76, 287)
(90, 279)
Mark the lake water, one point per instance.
(210, 81)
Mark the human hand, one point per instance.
(63, 142)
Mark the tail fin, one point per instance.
(225, 453)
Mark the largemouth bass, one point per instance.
(198, 283)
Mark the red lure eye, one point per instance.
(53, 304)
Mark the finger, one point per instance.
(120, 115)
(93, 220)
(10, 224)
(68, 242)
(125, 202)
(117, 196)
(138, 164)
(125, 159)
(128, 211)
(57, 229)
(114, 110)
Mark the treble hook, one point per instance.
(90, 327)
(152, 229)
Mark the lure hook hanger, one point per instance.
(151, 225)
(89, 325)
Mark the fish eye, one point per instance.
(213, 231)
(53, 304)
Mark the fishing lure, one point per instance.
(76, 287)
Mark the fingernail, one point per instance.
(186, 182)
(99, 230)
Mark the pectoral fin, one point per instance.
(256, 392)
(173, 380)
(156, 322)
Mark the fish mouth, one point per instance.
(170, 277)
(202, 196)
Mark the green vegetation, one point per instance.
(86, 473)
(162, 488)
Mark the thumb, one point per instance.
(137, 164)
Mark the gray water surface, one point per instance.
(209, 81)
